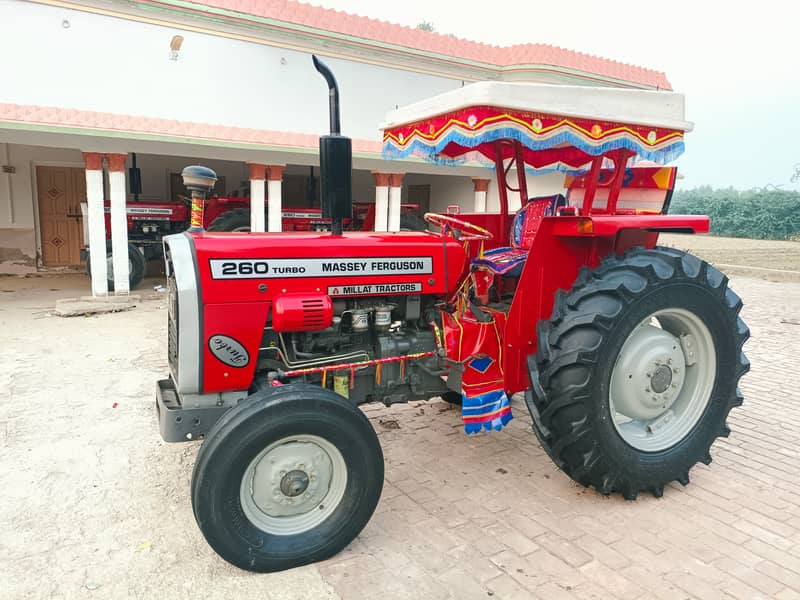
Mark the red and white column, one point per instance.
(96, 217)
(481, 190)
(258, 174)
(119, 223)
(274, 185)
(381, 201)
(395, 189)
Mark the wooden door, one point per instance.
(61, 191)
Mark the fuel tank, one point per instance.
(258, 267)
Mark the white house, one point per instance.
(229, 84)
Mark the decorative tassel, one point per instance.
(490, 410)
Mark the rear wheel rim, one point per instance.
(293, 485)
(662, 380)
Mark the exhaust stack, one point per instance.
(335, 160)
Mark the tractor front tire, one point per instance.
(288, 477)
(237, 219)
(637, 370)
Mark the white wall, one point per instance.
(113, 65)
(453, 189)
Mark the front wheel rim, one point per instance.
(293, 485)
(662, 380)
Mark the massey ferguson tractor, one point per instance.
(628, 354)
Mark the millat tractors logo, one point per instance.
(228, 350)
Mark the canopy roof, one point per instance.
(559, 127)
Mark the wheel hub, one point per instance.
(661, 379)
(291, 479)
(294, 483)
(649, 373)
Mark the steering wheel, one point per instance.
(469, 231)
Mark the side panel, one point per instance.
(231, 337)
(257, 267)
(553, 263)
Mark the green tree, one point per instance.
(426, 26)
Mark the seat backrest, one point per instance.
(526, 221)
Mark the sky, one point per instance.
(737, 63)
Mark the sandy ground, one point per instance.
(762, 259)
(92, 503)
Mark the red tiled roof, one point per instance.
(344, 23)
(100, 121)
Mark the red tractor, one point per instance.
(149, 222)
(628, 353)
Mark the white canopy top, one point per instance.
(636, 107)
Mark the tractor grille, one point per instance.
(172, 325)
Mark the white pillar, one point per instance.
(275, 214)
(96, 222)
(257, 175)
(119, 223)
(381, 201)
(481, 190)
(395, 188)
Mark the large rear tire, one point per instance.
(412, 222)
(136, 267)
(237, 219)
(637, 370)
(288, 477)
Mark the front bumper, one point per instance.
(182, 424)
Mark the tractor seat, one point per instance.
(509, 260)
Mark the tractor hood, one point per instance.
(258, 267)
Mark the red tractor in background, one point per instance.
(628, 354)
(149, 222)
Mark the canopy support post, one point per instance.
(620, 158)
(591, 185)
(502, 191)
(522, 180)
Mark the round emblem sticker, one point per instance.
(228, 350)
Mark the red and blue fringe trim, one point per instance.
(490, 410)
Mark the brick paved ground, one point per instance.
(491, 515)
(93, 505)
